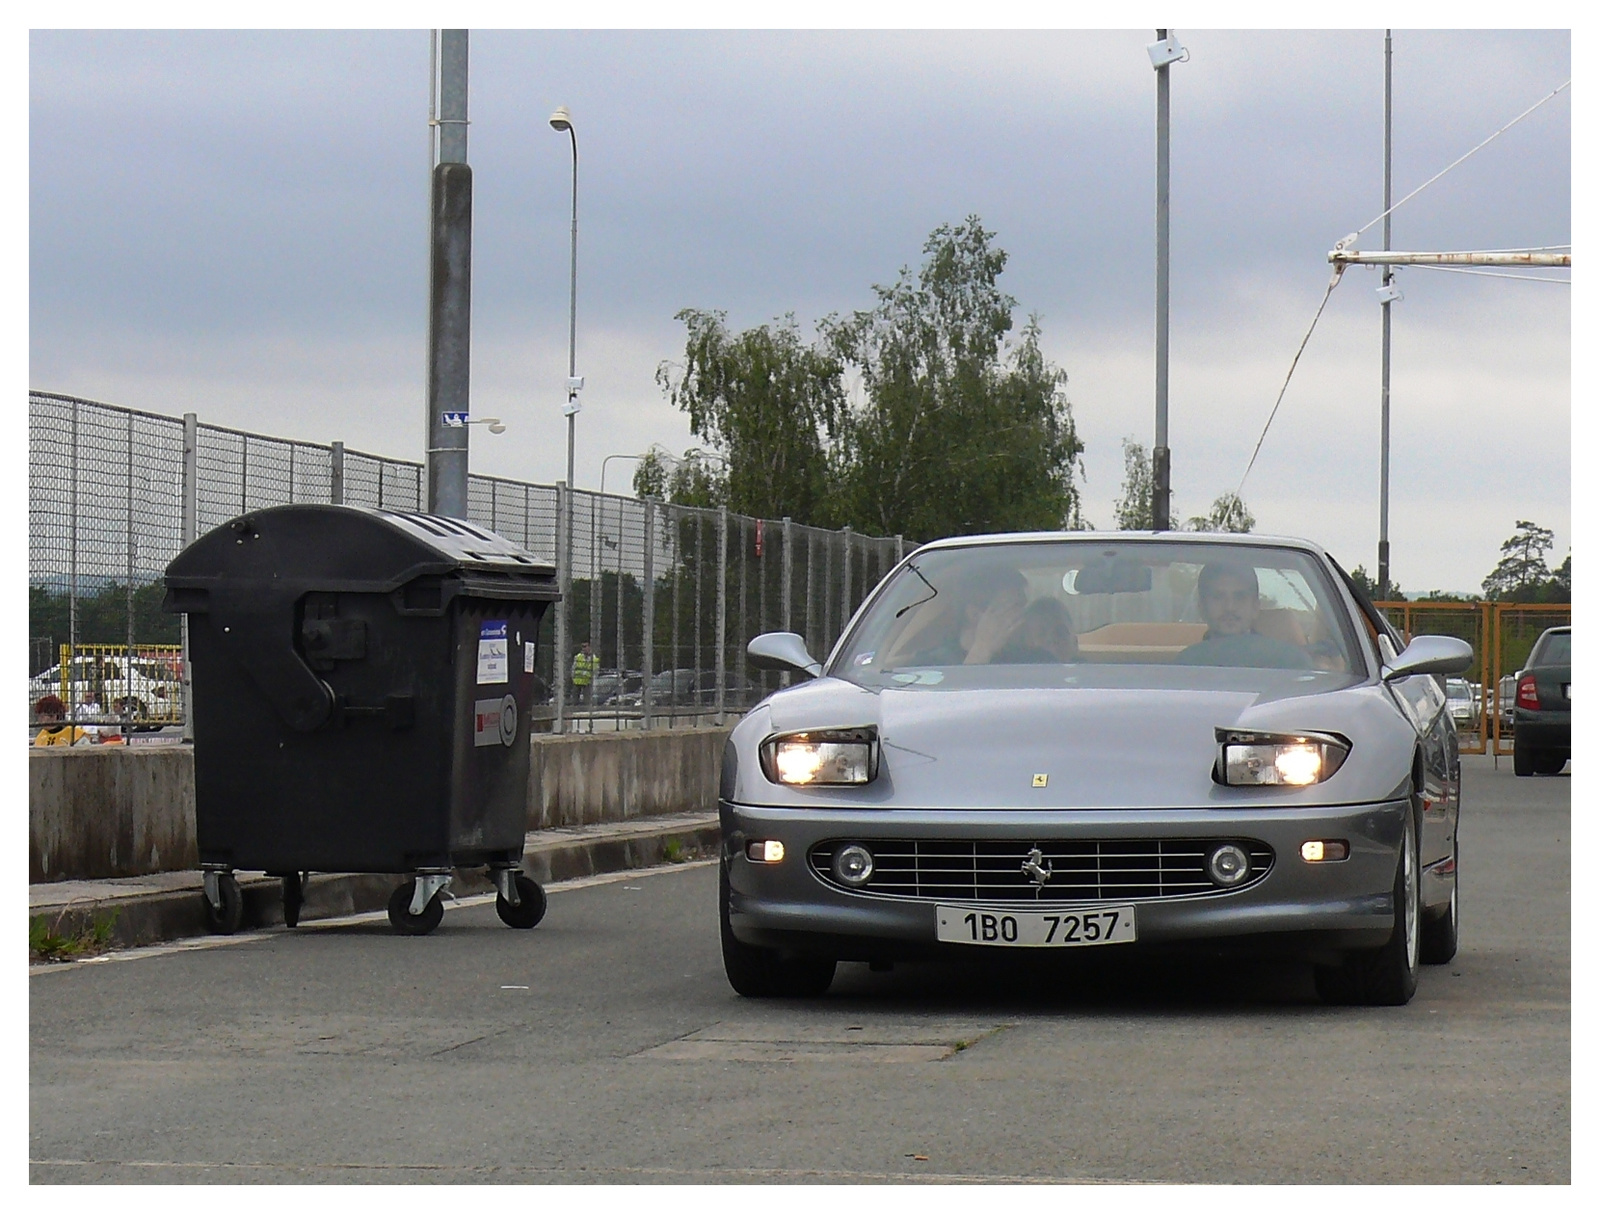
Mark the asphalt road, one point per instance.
(605, 1045)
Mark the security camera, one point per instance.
(1168, 50)
(1390, 294)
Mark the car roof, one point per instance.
(1120, 537)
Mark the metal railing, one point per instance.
(666, 596)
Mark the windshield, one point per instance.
(1013, 615)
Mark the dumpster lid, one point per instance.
(355, 548)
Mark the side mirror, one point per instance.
(1430, 655)
(783, 651)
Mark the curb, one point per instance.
(152, 916)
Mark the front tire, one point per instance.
(1387, 976)
(764, 973)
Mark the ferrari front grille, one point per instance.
(1079, 870)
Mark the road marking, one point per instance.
(704, 1174)
(255, 937)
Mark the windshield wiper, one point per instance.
(919, 602)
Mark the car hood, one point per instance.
(1096, 747)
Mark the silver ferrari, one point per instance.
(1090, 741)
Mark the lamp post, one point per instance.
(1163, 54)
(561, 120)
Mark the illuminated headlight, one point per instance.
(1287, 759)
(819, 757)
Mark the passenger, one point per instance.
(985, 610)
(1230, 601)
(52, 714)
(1045, 635)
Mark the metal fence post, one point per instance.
(844, 603)
(787, 584)
(191, 532)
(827, 598)
(899, 549)
(741, 631)
(72, 565)
(336, 474)
(127, 657)
(622, 608)
(647, 665)
(564, 581)
(811, 582)
(722, 611)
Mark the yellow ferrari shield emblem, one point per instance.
(1041, 779)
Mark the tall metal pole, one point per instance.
(1388, 278)
(1161, 457)
(450, 286)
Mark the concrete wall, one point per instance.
(126, 811)
(110, 811)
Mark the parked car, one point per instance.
(148, 688)
(1462, 702)
(687, 688)
(1543, 712)
(1062, 740)
(612, 689)
(1505, 704)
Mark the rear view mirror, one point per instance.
(782, 651)
(1430, 655)
(1111, 574)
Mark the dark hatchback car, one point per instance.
(1543, 712)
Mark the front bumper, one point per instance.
(1297, 907)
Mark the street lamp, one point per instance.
(561, 120)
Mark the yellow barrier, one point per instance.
(141, 686)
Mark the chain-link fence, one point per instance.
(666, 597)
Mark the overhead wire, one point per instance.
(1564, 282)
(1547, 97)
(1339, 268)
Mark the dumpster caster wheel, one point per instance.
(407, 924)
(294, 897)
(530, 906)
(224, 921)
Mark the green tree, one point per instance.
(693, 479)
(1369, 585)
(1522, 574)
(958, 430)
(1227, 513)
(766, 400)
(1133, 510)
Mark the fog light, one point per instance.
(1228, 865)
(764, 851)
(1321, 851)
(852, 865)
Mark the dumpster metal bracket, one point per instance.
(428, 884)
(505, 881)
(211, 879)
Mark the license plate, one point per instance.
(1036, 929)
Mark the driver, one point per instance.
(1230, 601)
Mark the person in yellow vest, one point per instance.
(52, 714)
(585, 664)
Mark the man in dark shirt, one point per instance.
(1230, 600)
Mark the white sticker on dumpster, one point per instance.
(528, 656)
(492, 660)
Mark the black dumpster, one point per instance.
(362, 681)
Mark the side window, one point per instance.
(1377, 624)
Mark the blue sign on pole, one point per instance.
(453, 419)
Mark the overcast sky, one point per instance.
(235, 224)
